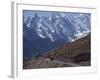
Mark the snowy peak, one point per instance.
(60, 26)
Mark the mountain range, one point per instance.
(44, 33)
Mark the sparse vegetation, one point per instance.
(73, 49)
(77, 53)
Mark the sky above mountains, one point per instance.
(30, 13)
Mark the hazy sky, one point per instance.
(40, 13)
(27, 13)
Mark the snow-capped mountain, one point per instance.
(56, 29)
(59, 26)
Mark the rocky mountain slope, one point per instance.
(74, 54)
(77, 51)
(44, 33)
